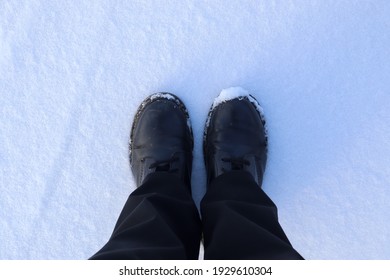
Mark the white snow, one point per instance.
(73, 73)
(229, 94)
(162, 95)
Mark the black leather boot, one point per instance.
(161, 138)
(235, 139)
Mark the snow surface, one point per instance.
(72, 74)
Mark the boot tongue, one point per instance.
(237, 165)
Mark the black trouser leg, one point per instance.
(158, 221)
(240, 221)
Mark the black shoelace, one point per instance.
(164, 165)
(237, 163)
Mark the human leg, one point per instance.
(158, 221)
(241, 222)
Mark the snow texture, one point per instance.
(73, 73)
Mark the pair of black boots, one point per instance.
(162, 141)
(161, 221)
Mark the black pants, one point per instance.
(161, 221)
